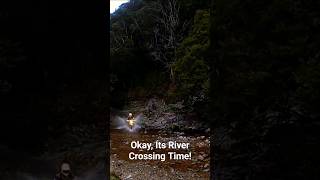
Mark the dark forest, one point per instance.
(248, 69)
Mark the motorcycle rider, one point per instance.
(131, 120)
(65, 172)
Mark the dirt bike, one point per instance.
(131, 122)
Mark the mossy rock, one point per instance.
(113, 177)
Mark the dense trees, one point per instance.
(263, 62)
(262, 58)
(191, 69)
(172, 36)
(264, 89)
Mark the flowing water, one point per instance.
(121, 123)
(120, 149)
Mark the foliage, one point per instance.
(308, 94)
(265, 88)
(191, 70)
(151, 47)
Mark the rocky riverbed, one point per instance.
(161, 123)
(125, 168)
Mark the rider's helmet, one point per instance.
(65, 169)
(130, 114)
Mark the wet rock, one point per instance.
(206, 170)
(120, 162)
(172, 170)
(200, 157)
(200, 144)
(206, 165)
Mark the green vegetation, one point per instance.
(114, 177)
(191, 70)
(255, 62)
(159, 48)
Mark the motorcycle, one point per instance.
(131, 122)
